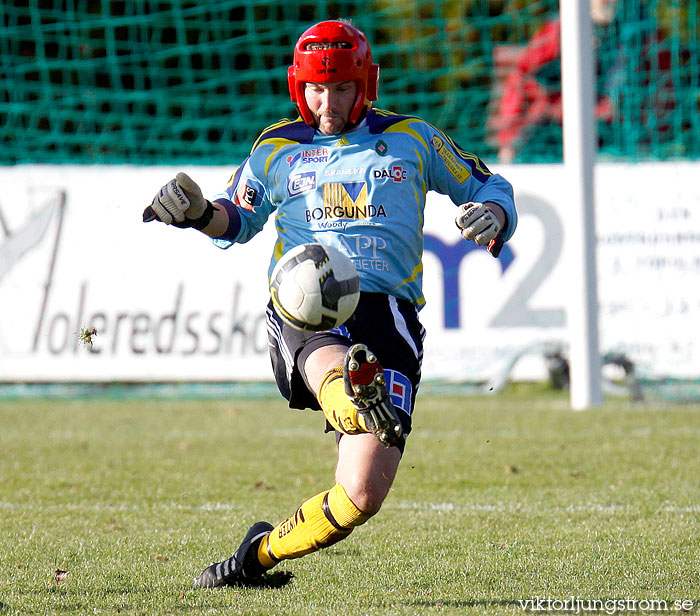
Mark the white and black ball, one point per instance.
(314, 287)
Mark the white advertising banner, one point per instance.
(167, 305)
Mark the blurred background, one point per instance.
(100, 102)
(151, 82)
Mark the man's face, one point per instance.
(330, 104)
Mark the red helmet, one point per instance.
(333, 51)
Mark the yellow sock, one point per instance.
(336, 405)
(321, 521)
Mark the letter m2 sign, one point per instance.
(450, 258)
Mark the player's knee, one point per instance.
(366, 497)
(366, 471)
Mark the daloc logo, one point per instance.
(397, 173)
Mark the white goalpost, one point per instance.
(578, 96)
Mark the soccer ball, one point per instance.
(314, 287)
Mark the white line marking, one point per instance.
(406, 506)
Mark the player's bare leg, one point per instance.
(364, 474)
(366, 469)
(320, 362)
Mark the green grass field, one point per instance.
(498, 500)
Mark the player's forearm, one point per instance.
(226, 221)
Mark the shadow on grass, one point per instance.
(278, 579)
(472, 603)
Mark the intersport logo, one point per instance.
(317, 155)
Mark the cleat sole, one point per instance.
(365, 384)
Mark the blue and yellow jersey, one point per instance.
(362, 192)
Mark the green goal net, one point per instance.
(157, 82)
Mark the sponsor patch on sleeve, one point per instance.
(457, 169)
(250, 194)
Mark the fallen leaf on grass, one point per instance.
(60, 576)
(115, 525)
(503, 546)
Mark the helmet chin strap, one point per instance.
(353, 125)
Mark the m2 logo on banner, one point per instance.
(167, 305)
(516, 311)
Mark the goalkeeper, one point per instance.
(353, 177)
